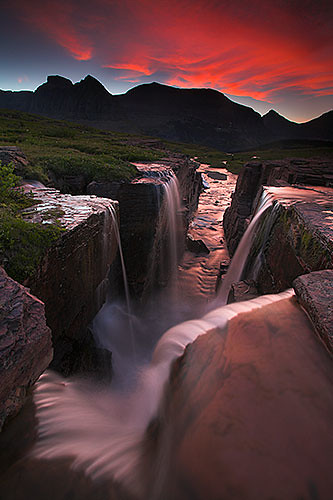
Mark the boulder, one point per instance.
(218, 176)
(196, 246)
(315, 293)
(12, 154)
(25, 344)
(243, 290)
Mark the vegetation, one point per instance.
(55, 148)
(275, 151)
(22, 244)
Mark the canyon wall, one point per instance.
(71, 280)
(255, 175)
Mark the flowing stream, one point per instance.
(101, 429)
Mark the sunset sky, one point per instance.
(262, 53)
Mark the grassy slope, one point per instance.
(58, 148)
(65, 148)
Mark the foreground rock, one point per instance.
(315, 293)
(248, 413)
(25, 344)
(72, 278)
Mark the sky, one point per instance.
(267, 54)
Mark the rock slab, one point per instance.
(25, 344)
(315, 293)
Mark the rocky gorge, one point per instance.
(230, 378)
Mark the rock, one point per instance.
(25, 344)
(12, 154)
(254, 175)
(235, 220)
(71, 278)
(196, 246)
(243, 290)
(315, 293)
(235, 402)
(294, 239)
(216, 175)
(139, 207)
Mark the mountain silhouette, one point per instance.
(199, 116)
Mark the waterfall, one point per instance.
(104, 431)
(238, 262)
(112, 316)
(121, 255)
(168, 238)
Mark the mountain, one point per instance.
(202, 116)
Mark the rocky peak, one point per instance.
(90, 85)
(56, 81)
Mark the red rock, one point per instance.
(25, 344)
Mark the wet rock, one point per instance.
(243, 290)
(196, 246)
(71, 278)
(139, 207)
(223, 269)
(235, 401)
(254, 175)
(298, 241)
(235, 220)
(315, 293)
(25, 344)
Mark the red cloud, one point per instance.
(259, 49)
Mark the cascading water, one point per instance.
(168, 238)
(239, 259)
(103, 431)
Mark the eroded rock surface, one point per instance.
(315, 293)
(25, 344)
(248, 413)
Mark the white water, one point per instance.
(103, 430)
(169, 234)
(239, 259)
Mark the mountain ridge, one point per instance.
(196, 115)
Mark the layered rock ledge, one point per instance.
(25, 344)
(295, 237)
(140, 204)
(72, 278)
(255, 175)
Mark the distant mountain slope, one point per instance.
(201, 116)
